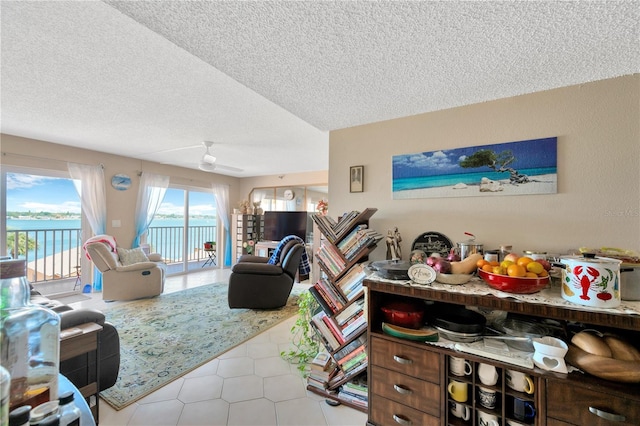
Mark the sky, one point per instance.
(529, 154)
(31, 193)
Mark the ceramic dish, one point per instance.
(404, 314)
(513, 284)
(453, 279)
(425, 334)
(457, 336)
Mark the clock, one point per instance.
(121, 182)
(288, 194)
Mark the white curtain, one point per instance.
(221, 193)
(150, 195)
(89, 182)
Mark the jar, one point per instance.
(5, 381)
(68, 410)
(536, 255)
(30, 336)
(44, 412)
(20, 416)
(491, 256)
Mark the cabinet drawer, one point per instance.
(385, 412)
(420, 363)
(570, 403)
(423, 395)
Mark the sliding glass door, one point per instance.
(186, 220)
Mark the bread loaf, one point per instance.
(603, 367)
(592, 344)
(621, 349)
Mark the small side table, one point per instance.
(212, 257)
(79, 340)
(86, 416)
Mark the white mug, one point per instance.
(488, 374)
(459, 366)
(514, 423)
(487, 397)
(519, 381)
(461, 411)
(486, 419)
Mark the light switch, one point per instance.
(115, 223)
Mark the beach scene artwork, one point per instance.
(510, 168)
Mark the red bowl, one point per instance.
(513, 284)
(404, 314)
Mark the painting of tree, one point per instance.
(497, 162)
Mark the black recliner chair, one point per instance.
(256, 284)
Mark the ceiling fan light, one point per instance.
(206, 167)
(208, 158)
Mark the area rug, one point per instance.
(165, 337)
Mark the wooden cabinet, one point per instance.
(408, 380)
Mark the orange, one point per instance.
(494, 263)
(480, 263)
(531, 275)
(524, 261)
(506, 263)
(498, 270)
(543, 274)
(516, 271)
(487, 267)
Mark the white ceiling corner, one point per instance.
(141, 78)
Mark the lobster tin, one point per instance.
(591, 281)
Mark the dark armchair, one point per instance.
(254, 283)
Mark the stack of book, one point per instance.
(351, 283)
(331, 258)
(322, 368)
(327, 296)
(353, 355)
(360, 237)
(355, 391)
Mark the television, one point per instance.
(278, 225)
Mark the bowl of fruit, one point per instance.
(515, 274)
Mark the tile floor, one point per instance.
(248, 385)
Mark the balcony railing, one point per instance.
(54, 254)
(51, 254)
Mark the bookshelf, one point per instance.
(341, 320)
(245, 227)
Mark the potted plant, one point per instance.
(305, 342)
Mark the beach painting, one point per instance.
(510, 168)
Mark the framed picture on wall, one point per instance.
(356, 179)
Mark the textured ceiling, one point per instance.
(267, 80)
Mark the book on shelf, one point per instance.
(351, 282)
(321, 361)
(353, 354)
(351, 238)
(354, 325)
(333, 327)
(324, 304)
(357, 387)
(323, 330)
(350, 347)
(341, 377)
(349, 312)
(353, 399)
(359, 359)
(331, 293)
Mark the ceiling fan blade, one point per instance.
(181, 148)
(228, 168)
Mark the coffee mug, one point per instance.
(488, 374)
(459, 410)
(487, 419)
(458, 390)
(459, 366)
(523, 410)
(519, 381)
(514, 423)
(487, 397)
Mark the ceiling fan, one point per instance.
(208, 162)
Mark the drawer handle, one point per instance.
(402, 390)
(401, 360)
(402, 420)
(612, 417)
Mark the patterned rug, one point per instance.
(166, 337)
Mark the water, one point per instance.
(466, 178)
(59, 241)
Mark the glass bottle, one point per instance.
(68, 410)
(29, 340)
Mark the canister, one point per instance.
(591, 281)
(630, 281)
(536, 255)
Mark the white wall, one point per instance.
(598, 199)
